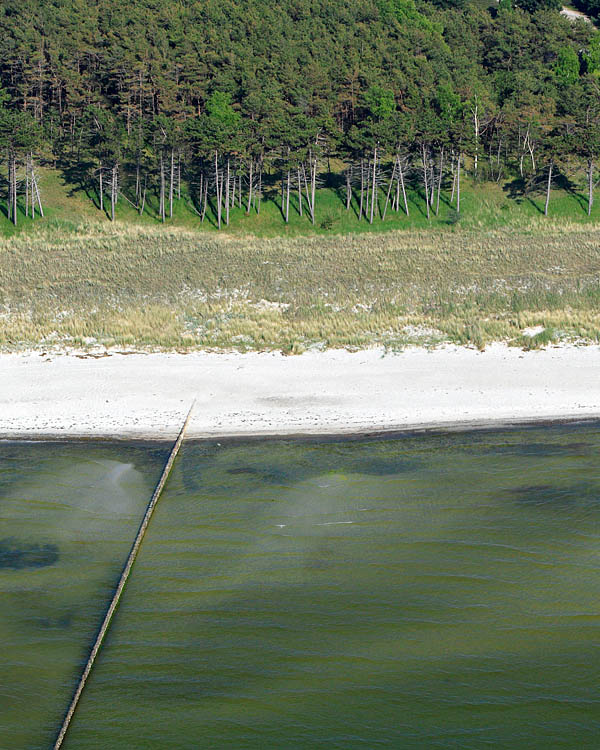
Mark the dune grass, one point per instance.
(148, 287)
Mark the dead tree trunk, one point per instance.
(161, 207)
(227, 198)
(439, 187)
(143, 198)
(250, 185)
(313, 189)
(590, 186)
(171, 183)
(101, 189)
(400, 170)
(27, 187)
(348, 187)
(548, 184)
(425, 177)
(387, 198)
(260, 171)
(12, 187)
(35, 190)
(373, 185)
(113, 191)
(458, 183)
(217, 191)
(362, 189)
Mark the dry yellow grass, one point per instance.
(147, 287)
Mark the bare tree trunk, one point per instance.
(250, 185)
(531, 150)
(362, 188)
(179, 175)
(35, 192)
(368, 188)
(113, 192)
(101, 190)
(282, 202)
(287, 197)
(308, 199)
(313, 188)
(12, 188)
(439, 189)
(171, 183)
(15, 190)
(348, 188)
(137, 183)
(161, 207)
(475, 111)
(453, 178)
(590, 186)
(260, 169)
(27, 187)
(425, 181)
(143, 199)
(458, 183)
(548, 188)
(431, 181)
(387, 198)
(374, 185)
(299, 192)
(227, 194)
(218, 194)
(403, 187)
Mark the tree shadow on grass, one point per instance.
(571, 188)
(526, 189)
(77, 176)
(521, 190)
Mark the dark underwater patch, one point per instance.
(381, 467)
(62, 622)
(549, 495)
(242, 470)
(538, 449)
(304, 463)
(18, 555)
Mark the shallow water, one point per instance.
(424, 592)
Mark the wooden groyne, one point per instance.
(121, 585)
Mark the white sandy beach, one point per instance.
(148, 395)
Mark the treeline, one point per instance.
(207, 101)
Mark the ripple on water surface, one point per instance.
(431, 591)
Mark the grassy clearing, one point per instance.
(483, 206)
(152, 287)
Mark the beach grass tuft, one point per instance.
(145, 287)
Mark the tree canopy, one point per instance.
(133, 96)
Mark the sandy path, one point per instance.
(147, 395)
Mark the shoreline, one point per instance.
(391, 433)
(322, 395)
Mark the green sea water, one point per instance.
(432, 591)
